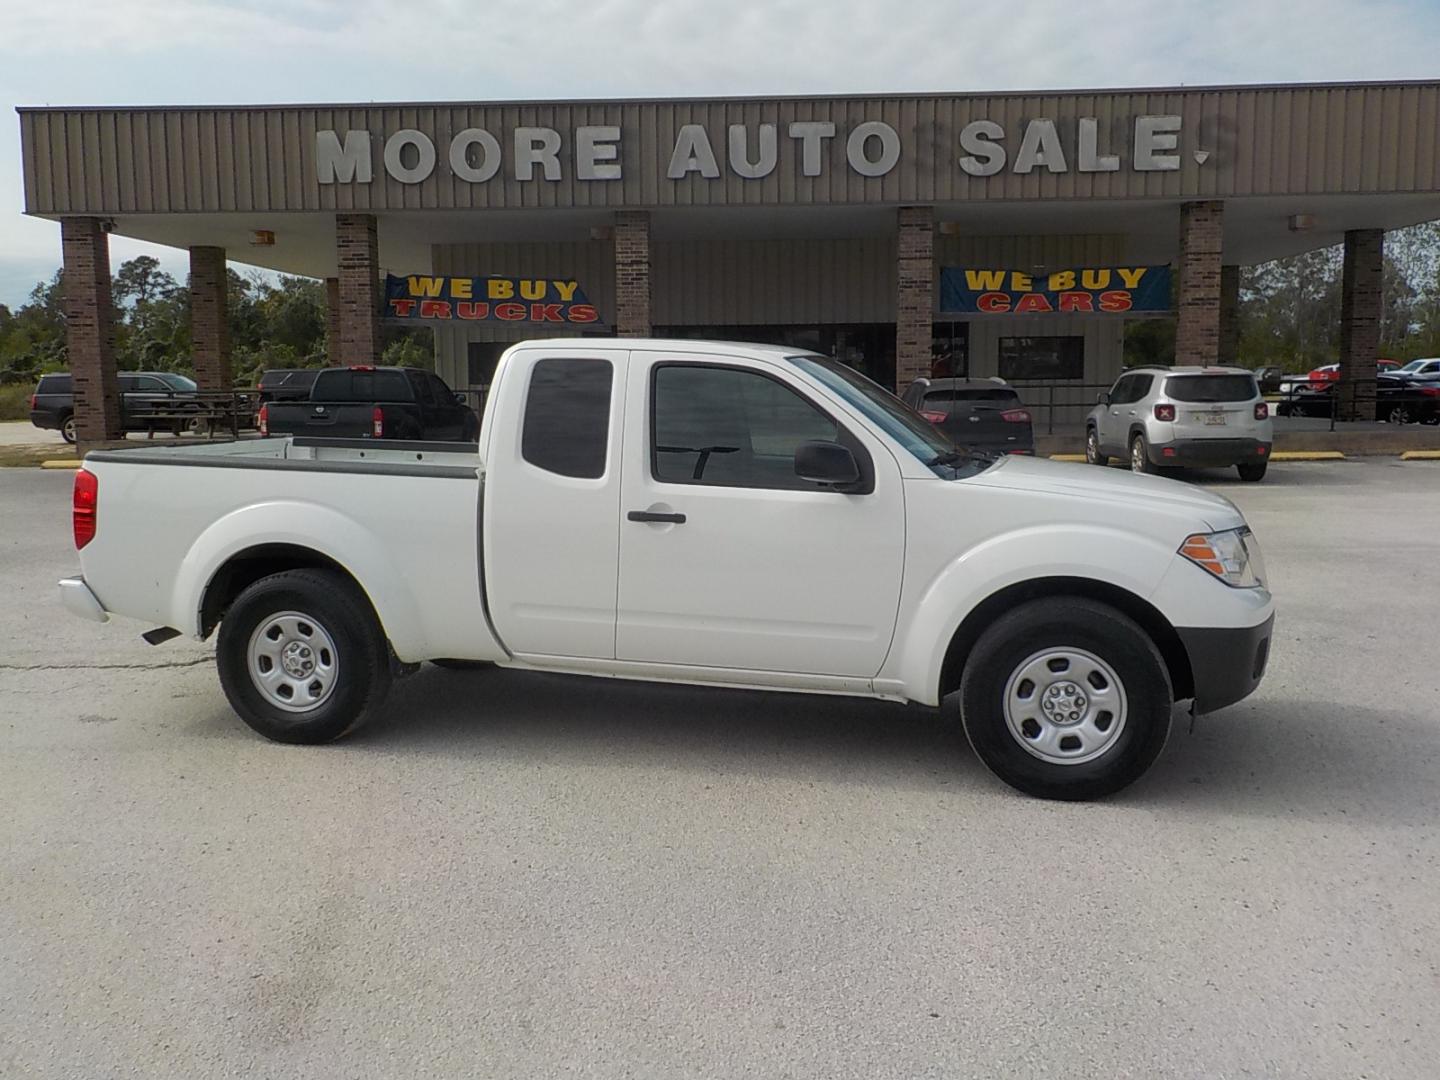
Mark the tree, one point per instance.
(140, 281)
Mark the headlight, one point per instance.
(1233, 556)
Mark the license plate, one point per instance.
(1214, 419)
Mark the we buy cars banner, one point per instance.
(539, 301)
(1115, 289)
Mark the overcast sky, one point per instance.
(158, 52)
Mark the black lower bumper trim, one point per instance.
(1213, 452)
(1227, 663)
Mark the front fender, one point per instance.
(1098, 553)
(346, 542)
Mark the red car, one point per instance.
(1330, 372)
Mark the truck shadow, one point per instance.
(1264, 757)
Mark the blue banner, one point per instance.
(539, 301)
(1118, 290)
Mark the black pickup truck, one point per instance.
(365, 402)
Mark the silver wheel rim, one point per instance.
(293, 662)
(1065, 706)
(1399, 416)
(1092, 446)
(1137, 456)
(67, 431)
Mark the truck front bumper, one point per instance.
(1227, 663)
(79, 600)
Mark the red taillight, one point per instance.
(933, 417)
(1430, 391)
(263, 420)
(33, 399)
(1262, 411)
(377, 423)
(1164, 412)
(1016, 416)
(87, 495)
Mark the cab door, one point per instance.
(727, 558)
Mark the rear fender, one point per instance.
(346, 542)
(1095, 553)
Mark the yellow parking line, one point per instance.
(1067, 457)
(1420, 455)
(61, 463)
(1307, 455)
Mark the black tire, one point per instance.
(1074, 623)
(1399, 415)
(461, 665)
(1140, 455)
(1092, 448)
(67, 428)
(1252, 470)
(361, 655)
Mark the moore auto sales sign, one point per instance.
(981, 147)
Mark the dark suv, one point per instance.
(979, 414)
(141, 392)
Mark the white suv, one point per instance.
(1182, 416)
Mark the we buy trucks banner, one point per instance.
(539, 301)
(1084, 290)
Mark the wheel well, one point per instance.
(249, 566)
(1172, 649)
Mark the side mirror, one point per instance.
(1104, 398)
(460, 398)
(825, 463)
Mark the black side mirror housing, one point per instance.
(460, 398)
(1104, 398)
(828, 463)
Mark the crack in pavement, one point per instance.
(108, 667)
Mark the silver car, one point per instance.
(1182, 416)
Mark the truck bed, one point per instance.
(401, 518)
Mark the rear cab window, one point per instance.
(352, 385)
(1211, 389)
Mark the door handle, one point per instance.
(650, 515)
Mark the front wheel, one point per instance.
(1092, 448)
(1066, 698)
(1252, 470)
(302, 657)
(1399, 415)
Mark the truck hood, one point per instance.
(1114, 486)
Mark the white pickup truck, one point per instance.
(695, 512)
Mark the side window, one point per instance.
(567, 417)
(1141, 386)
(126, 383)
(443, 394)
(1121, 388)
(730, 428)
(421, 386)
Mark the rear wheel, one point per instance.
(1092, 448)
(1066, 698)
(67, 428)
(1399, 415)
(1252, 470)
(302, 657)
(1140, 456)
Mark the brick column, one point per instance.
(1360, 323)
(358, 255)
(90, 329)
(1197, 335)
(332, 321)
(209, 327)
(632, 273)
(1229, 314)
(915, 294)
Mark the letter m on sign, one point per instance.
(347, 163)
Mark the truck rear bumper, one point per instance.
(79, 600)
(1227, 662)
(1209, 452)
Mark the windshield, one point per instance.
(1414, 365)
(177, 382)
(1211, 388)
(892, 416)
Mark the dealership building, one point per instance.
(1008, 234)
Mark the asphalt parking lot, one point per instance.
(536, 876)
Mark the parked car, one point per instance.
(1331, 372)
(367, 402)
(693, 512)
(1268, 378)
(1397, 400)
(978, 414)
(142, 394)
(1182, 416)
(1422, 366)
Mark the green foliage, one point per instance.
(14, 402)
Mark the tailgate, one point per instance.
(981, 423)
(331, 419)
